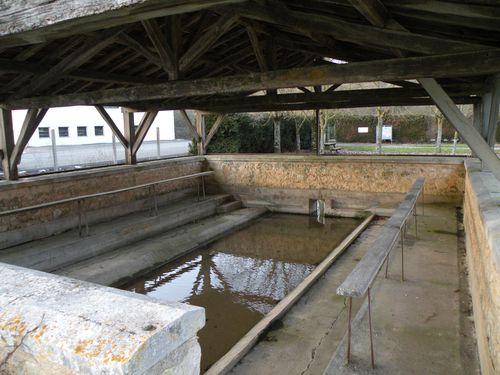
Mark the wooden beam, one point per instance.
(213, 129)
(163, 48)
(254, 40)
(190, 125)
(373, 10)
(71, 62)
(140, 48)
(466, 129)
(142, 130)
(203, 44)
(476, 63)
(7, 144)
(31, 121)
(41, 21)
(352, 32)
(118, 134)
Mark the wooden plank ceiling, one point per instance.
(119, 56)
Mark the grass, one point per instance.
(424, 148)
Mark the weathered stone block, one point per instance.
(53, 324)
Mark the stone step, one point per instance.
(229, 207)
(129, 262)
(65, 249)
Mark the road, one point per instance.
(39, 159)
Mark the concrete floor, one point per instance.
(418, 325)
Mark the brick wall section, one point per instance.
(482, 228)
(40, 189)
(369, 181)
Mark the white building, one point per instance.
(84, 125)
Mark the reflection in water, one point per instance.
(241, 277)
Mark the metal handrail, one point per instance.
(394, 228)
(82, 213)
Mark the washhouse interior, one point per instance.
(311, 262)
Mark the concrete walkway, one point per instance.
(420, 326)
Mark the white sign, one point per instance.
(387, 133)
(363, 130)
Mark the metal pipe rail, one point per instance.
(82, 215)
(360, 280)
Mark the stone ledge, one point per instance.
(487, 193)
(84, 328)
(97, 172)
(338, 158)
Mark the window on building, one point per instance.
(99, 130)
(63, 131)
(43, 132)
(81, 131)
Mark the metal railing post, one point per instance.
(370, 325)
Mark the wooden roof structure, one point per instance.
(239, 56)
(213, 54)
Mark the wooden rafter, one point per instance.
(354, 33)
(71, 62)
(210, 36)
(259, 55)
(163, 47)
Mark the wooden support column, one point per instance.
(491, 103)
(453, 114)
(200, 130)
(129, 134)
(7, 144)
(477, 120)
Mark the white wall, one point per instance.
(72, 117)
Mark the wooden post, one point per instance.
(477, 120)
(277, 134)
(439, 137)
(7, 144)
(129, 134)
(200, 129)
(491, 113)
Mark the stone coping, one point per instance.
(97, 172)
(487, 193)
(88, 328)
(338, 158)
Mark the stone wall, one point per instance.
(482, 229)
(55, 325)
(47, 221)
(287, 182)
